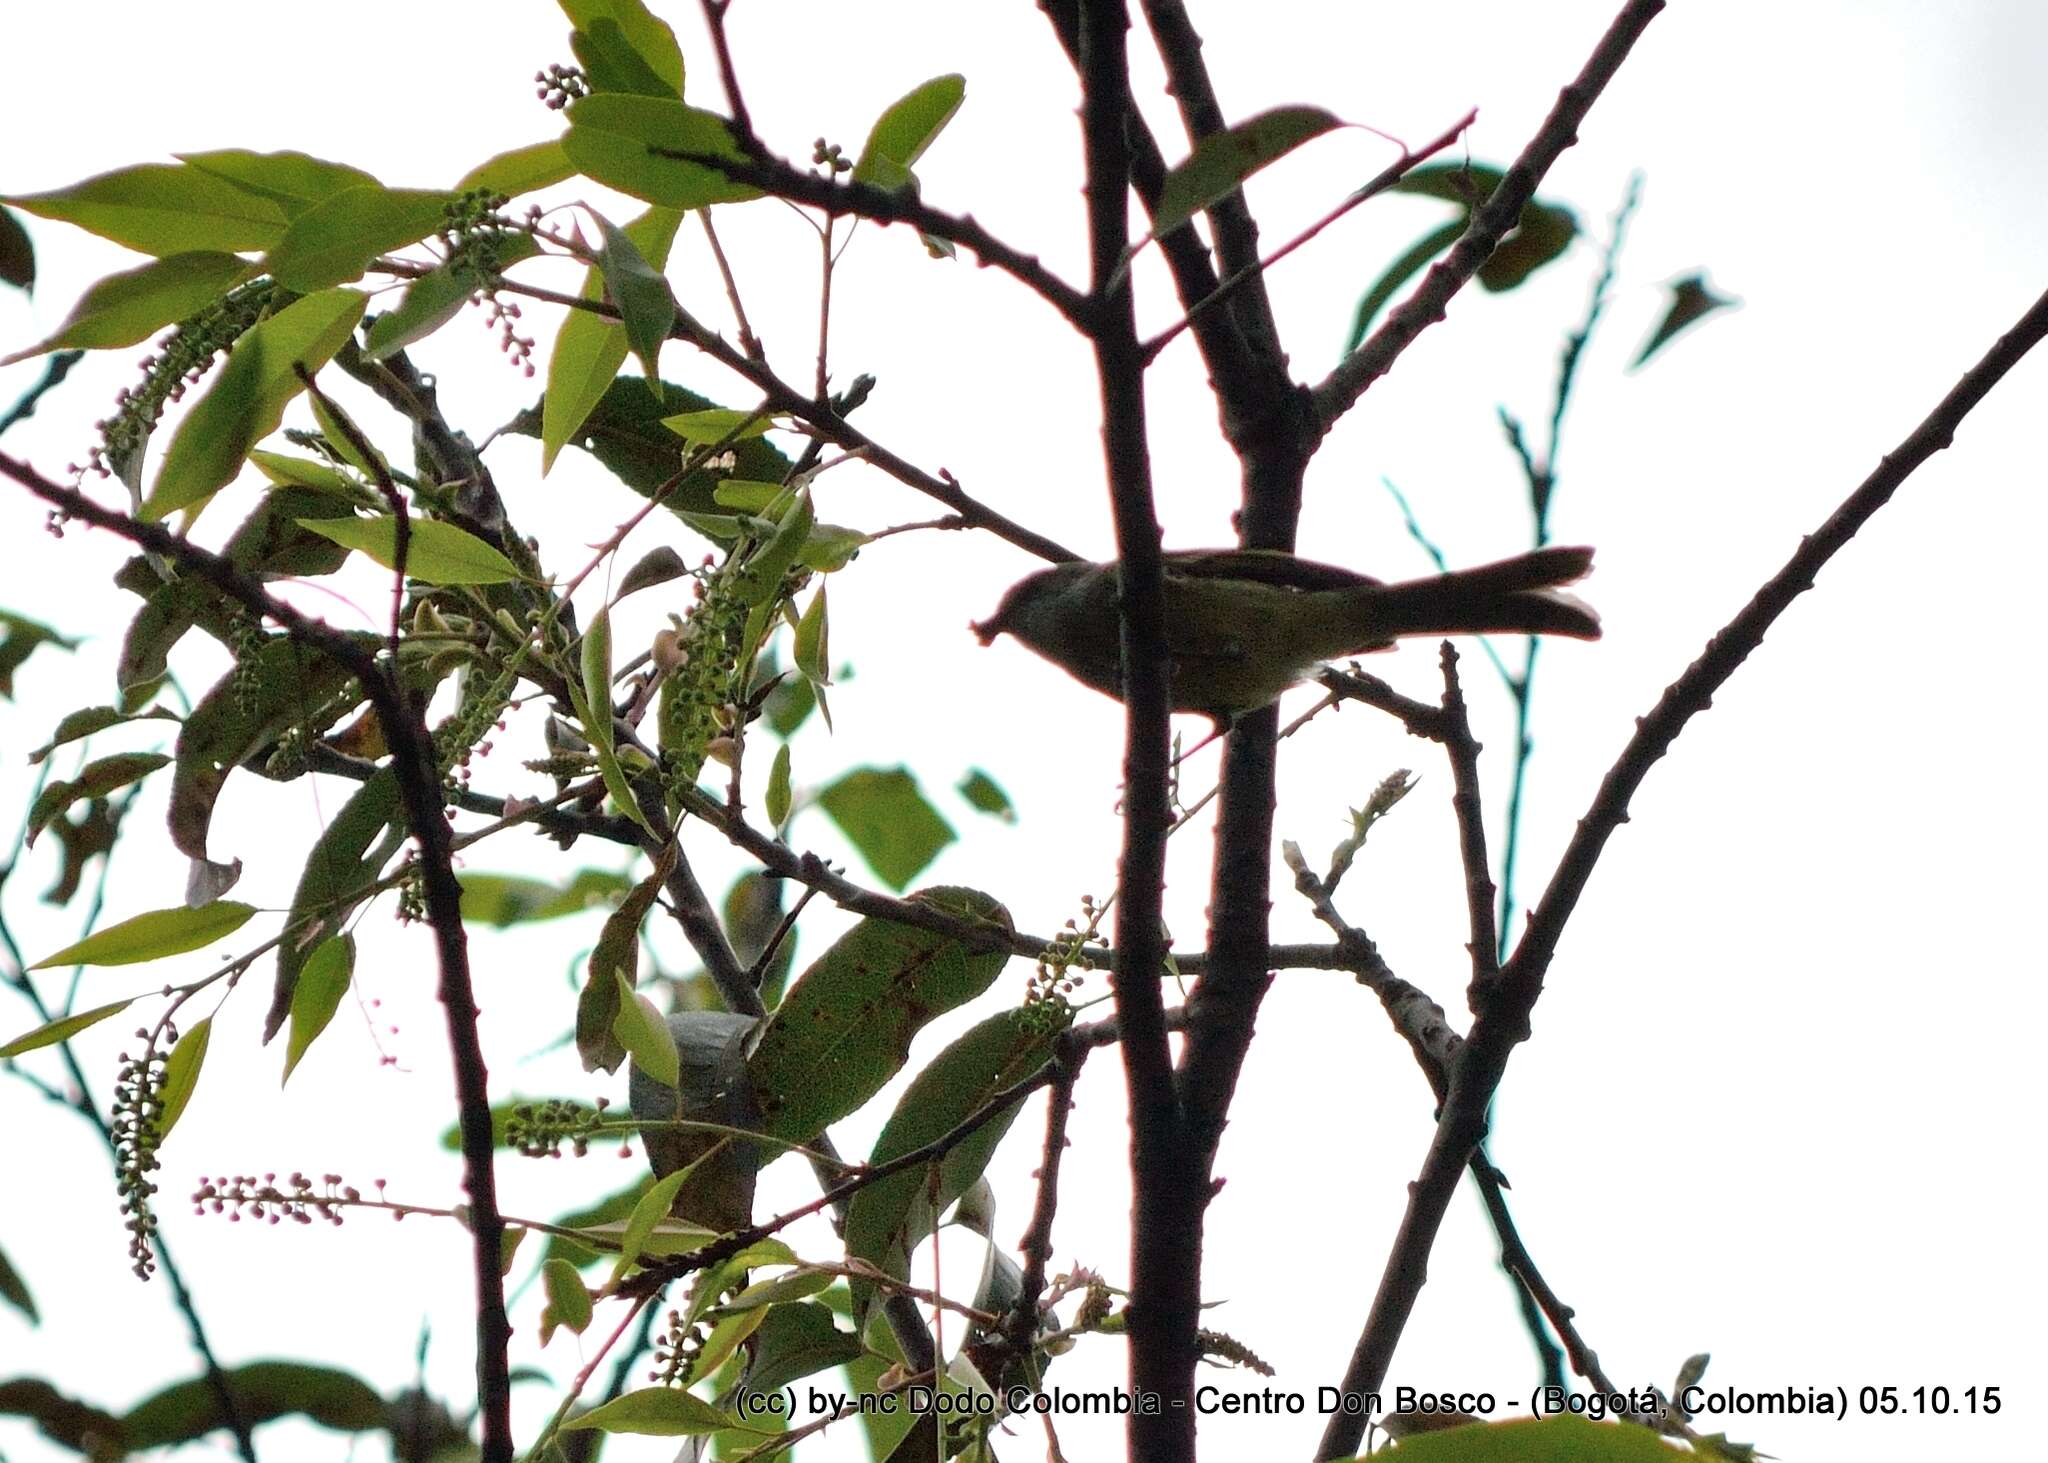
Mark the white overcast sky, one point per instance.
(1780, 1101)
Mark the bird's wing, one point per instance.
(1283, 571)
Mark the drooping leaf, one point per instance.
(583, 367)
(90, 721)
(129, 307)
(154, 935)
(181, 1076)
(906, 129)
(432, 300)
(885, 816)
(333, 241)
(797, 1341)
(435, 552)
(638, 145)
(63, 1029)
(845, 1027)
(616, 957)
(503, 900)
(19, 637)
(889, 1219)
(1221, 162)
(596, 657)
(248, 397)
(647, 37)
(262, 1390)
(663, 1412)
(648, 1211)
(775, 803)
(813, 643)
(1692, 300)
(522, 170)
(568, 1299)
(95, 780)
(283, 685)
(342, 864)
(644, 1035)
(985, 795)
(316, 995)
(657, 566)
(163, 208)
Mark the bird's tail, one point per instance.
(1518, 596)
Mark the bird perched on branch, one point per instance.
(1242, 625)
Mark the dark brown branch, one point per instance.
(1503, 1008)
(419, 783)
(1464, 754)
(1490, 223)
(1036, 1244)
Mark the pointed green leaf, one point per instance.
(597, 678)
(568, 1299)
(985, 795)
(1221, 162)
(663, 1412)
(304, 472)
(129, 307)
(718, 424)
(812, 645)
(1692, 300)
(646, 306)
(341, 865)
(19, 637)
(589, 349)
(435, 552)
(522, 170)
(648, 1211)
(901, 134)
(154, 935)
(95, 780)
(181, 1076)
(63, 1029)
(776, 801)
(316, 996)
(332, 242)
(637, 144)
(844, 1029)
(90, 721)
(262, 1390)
(503, 900)
(615, 958)
(432, 300)
(163, 208)
(644, 1035)
(657, 566)
(797, 1341)
(885, 816)
(248, 397)
(291, 180)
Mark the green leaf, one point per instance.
(624, 432)
(95, 780)
(331, 242)
(283, 685)
(435, 553)
(76, 1425)
(522, 170)
(19, 637)
(14, 1290)
(597, 678)
(163, 208)
(650, 1209)
(1397, 274)
(846, 1026)
(612, 1207)
(759, 580)
(291, 180)
(903, 132)
(885, 816)
(644, 1035)
(342, 864)
(316, 996)
(637, 144)
(984, 795)
(658, 565)
(432, 300)
(812, 646)
(889, 1219)
(1565, 1439)
(589, 349)
(248, 397)
(154, 935)
(616, 958)
(718, 424)
(262, 1390)
(181, 1076)
(90, 721)
(305, 472)
(663, 1412)
(646, 307)
(776, 802)
(503, 900)
(63, 1029)
(568, 1299)
(1692, 300)
(126, 308)
(1221, 162)
(797, 1341)
(648, 38)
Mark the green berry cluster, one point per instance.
(701, 656)
(134, 1123)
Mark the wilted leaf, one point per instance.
(95, 780)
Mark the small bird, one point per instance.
(1242, 625)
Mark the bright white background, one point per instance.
(1779, 1105)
